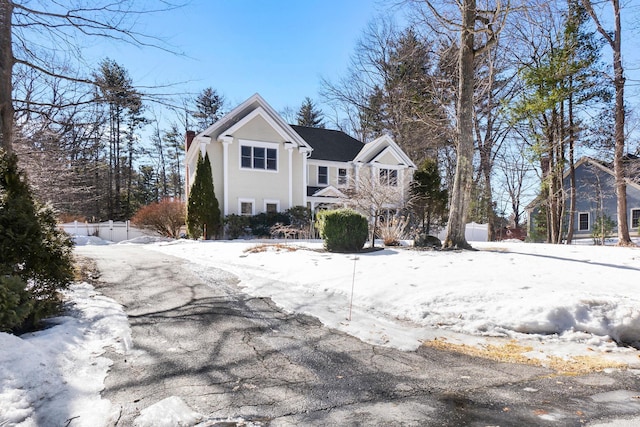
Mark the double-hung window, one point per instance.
(389, 177)
(583, 221)
(258, 157)
(323, 175)
(635, 218)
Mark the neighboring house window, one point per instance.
(389, 177)
(342, 176)
(635, 218)
(246, 207)
(583, 221)
(323, 175)
(258, 158)
(271, 206)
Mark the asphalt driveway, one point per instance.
(197, 336)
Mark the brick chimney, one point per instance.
(189, 139)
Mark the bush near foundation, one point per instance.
(343, 230)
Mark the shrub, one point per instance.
(261, 224)
(15, 303)
(343, 230)
(423, 240)
(392, 230)
(602, 229)
(236, 225)
(166, 217)
(34, 253)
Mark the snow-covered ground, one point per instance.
(562, 301)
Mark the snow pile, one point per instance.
(556, 294)
(145, 240)
(89, 240)
(56, 375)
(170, 412)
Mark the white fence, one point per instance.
(473, 233)
(113, 231)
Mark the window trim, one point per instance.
(259, 144)
(246, 200)
(637, 219)
(385, 177)
(326, 176)
(588, 221)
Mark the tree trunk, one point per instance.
(6, 69)
(464, 166)
(614, 41)
(572, 171)
(618, 167)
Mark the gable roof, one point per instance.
(329, 144)
(374, 149)
(631, 181)
(252, 107)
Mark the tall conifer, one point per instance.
(203, 210)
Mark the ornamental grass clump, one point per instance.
(343, 230)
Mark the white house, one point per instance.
(262, 164)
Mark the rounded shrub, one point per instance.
(343, 230)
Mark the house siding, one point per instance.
(595, 195)
(254, 123)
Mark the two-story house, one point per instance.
(262, 164)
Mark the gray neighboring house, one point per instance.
(596, 196)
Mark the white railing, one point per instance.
(113, 231)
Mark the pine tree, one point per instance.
(309, 115)
(209, 108)
(428, 199)
(203, 211)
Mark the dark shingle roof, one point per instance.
(329, 144)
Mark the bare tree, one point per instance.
(614, 39)
(43, 36)
(515, 168)
(478, 29)
(376, 192)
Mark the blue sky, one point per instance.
(280, 49)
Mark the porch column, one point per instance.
(289, 147)
(305, 153)
(226, 141)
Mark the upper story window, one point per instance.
(323, 175)
(389, 177)
(342, 176)
(258, 157)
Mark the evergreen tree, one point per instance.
(309, 114)
(35, 257)
(429, 200)
(209, 108)
(124, 104)
(203, 211)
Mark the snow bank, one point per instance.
(549, 293)
(55, 375)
